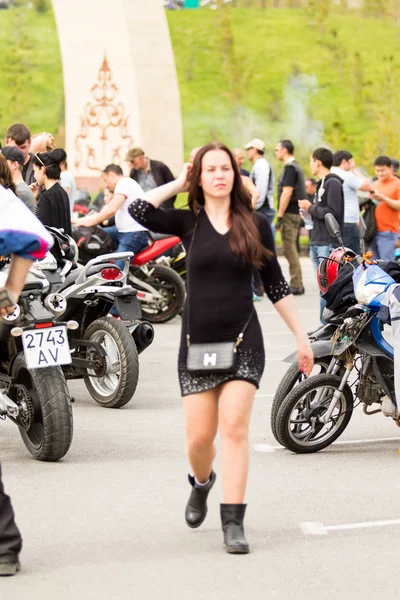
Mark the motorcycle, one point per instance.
(33, 391)
(104, 349)
(155, 272)
(161, 289)
(317, 410)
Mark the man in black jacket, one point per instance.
(328, 198)
(149, 174)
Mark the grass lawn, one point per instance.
(271, 74)
(31, 89)
(242, 73)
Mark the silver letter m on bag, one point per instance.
(210, 360)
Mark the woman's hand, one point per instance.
(184, 178)
(35, 190)
(8, 300)
(305, 357)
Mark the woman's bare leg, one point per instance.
(201, 417)
(235, 404)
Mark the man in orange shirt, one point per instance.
(386, 190)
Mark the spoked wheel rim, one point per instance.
(167, 300)
(108, 383)
(27, 398)
(304, 426)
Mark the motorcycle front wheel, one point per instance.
(298, 426)
(291, 378)
(45, 421)
(170, 286)
(115, 382)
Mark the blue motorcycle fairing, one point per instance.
(375, 276)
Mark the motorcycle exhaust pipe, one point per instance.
(143, 335)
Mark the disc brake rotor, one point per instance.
(27, 410)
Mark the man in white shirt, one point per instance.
(130, 235)
(263, 178)
(353, 181)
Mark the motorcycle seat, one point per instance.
(159, 236)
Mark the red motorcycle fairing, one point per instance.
(155, 250)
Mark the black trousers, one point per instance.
(10, 537)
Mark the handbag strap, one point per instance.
(239, 338)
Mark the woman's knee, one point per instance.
(198, 442)
(233, 431)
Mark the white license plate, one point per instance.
(46, 347)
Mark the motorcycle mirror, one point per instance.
(333, 228)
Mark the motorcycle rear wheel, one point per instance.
(117, 384)
(170, 285)
(44, 394)
(297, 426)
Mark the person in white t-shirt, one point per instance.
(130, 235)
(353, 181)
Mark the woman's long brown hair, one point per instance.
(245, 238)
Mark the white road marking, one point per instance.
(313, 528)
(269, 448)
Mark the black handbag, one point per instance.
(213, 357)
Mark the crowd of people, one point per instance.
(228, 230)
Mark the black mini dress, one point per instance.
(220, 297)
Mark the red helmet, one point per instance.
(328, 269)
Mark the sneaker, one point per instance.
(256, 298)
(7, 569)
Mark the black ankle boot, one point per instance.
(232, 516)
(196, 508)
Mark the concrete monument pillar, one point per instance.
(120, 84)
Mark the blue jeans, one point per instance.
(270, 214)
(131, 241)
(384, 245)
(315, 252)
(351, 237)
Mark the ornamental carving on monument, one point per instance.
(104, 136)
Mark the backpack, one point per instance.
(91, 242)
(370, 222)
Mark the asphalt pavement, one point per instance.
(107, 522)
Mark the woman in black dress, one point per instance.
(229, 240)
(53, 208)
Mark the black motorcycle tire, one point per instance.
(129, 363)
(287, 406)
(162, 276)
(292, 377)
(50, 434)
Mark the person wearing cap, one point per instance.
(15, 160)
(149, 173)
(262, 176)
